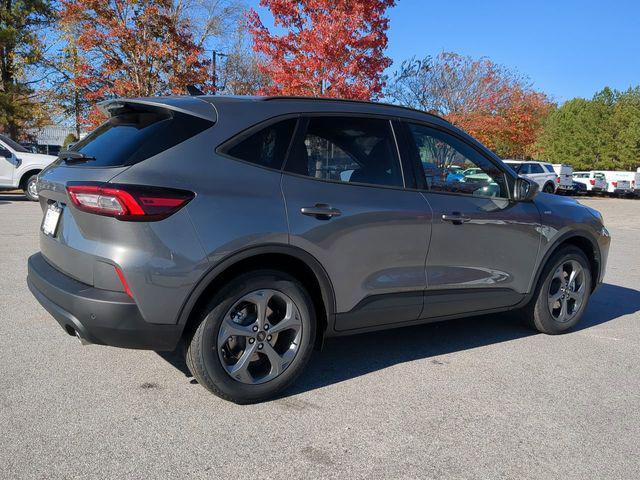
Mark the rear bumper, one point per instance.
(97, 316)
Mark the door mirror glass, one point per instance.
(526, 190)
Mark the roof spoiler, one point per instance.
(190, 105)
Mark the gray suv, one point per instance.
(245, 231)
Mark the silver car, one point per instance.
(245, 231)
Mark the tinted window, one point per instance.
(347, 149)
(133, 136)
(15, 145)
(450, 165)
(549, 168)
(267, 147)
(535, 168)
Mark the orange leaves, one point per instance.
(330, 48)
(134, 48)
(495, 105)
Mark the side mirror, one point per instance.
(526, 189)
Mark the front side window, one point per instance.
(535, 168)
(452, 166)
(347, 149)
(266, 147)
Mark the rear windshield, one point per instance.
(133, 136)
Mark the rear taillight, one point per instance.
(592, 181)
(557, 179)
(128, 202)
(615, 184)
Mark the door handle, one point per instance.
(321, 211)
(456, 218)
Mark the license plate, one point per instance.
(624, 184)
(51, 219)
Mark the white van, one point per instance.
(618, 183)
(564, 181)
(595, 182)
(634, 179)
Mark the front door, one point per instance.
(7, 166)
(347, 206)
(483, 245)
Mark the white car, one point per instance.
(595, 182)
(19, 168)
(564, 180)
(618, 183)
(540, 172)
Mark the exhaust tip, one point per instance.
(74, 333)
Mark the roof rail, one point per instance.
(348, 100)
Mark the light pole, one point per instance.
(214, 68)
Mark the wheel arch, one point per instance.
(547, 183)
(582, 240)
(25, 176)
(288, 259)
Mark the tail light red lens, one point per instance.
(128, 202)
(592, 181)
(557, 179)
(615, 184)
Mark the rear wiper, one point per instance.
(69, 155)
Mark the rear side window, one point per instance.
(132, 136)
(549, 168)
(347, 149)
(266, 147)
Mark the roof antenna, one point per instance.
(194, 91)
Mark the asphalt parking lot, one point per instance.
(475, 398)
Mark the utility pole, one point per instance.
(214, 68)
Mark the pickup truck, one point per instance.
(19, 168)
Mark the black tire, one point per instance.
(201, 351)
(538, 313)
(549, 188)
(29, 188)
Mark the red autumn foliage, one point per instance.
(332, 48)
(133, 49)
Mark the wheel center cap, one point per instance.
(261, 336)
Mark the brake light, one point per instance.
(557, 179)
(128, 202)
(592, 181)
(615, 184)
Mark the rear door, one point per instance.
(347, 206)
(483, 245)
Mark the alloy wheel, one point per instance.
(259, 336)
(567, 291)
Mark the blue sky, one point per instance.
(568, 48)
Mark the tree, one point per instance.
(598, 134)
(490, 102)
(140, 48)
(331, 48)
(239, 72)
(21, 49)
